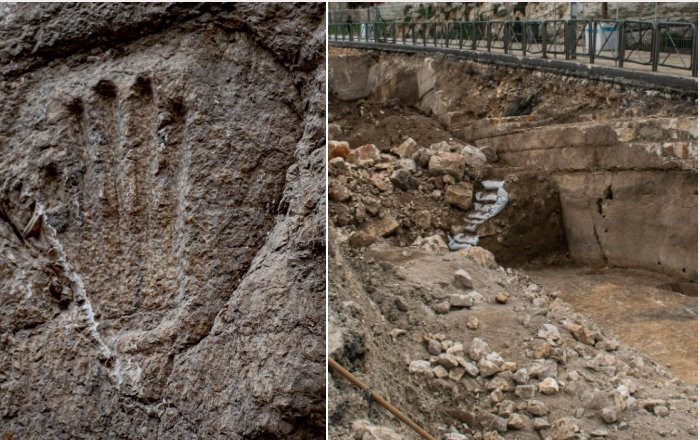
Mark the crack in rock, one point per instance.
(57, 253)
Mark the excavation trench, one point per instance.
(601, 178)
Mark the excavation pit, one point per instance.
(600, 227)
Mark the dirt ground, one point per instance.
(374, 293)
(659, 321)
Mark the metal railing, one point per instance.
(670, 46)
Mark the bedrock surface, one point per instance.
(162, 221)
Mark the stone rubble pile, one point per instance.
(566, 357)
(411, 190)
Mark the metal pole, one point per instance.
(621, 43)
(377, 398)
(573, 30)
(656, 10)
(459, 32)
(655, 47)
(694, 55)
(506, 36)
(591, 41)
(488, 36)
(544, 39)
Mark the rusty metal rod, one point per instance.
(377, 398)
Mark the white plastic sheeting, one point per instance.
(489, 204)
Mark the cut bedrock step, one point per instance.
(649, 155)
(657, 129)
(470, 130)
(552, 137)
(645, 144)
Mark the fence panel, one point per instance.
(639, 42)
(676, 45)
(554, 36)
(579, 39)
(606, 34)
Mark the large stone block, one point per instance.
(446, 163)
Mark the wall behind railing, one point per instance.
(480, 11)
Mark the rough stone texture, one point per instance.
(162, 221)
(648, 203)
(460, 195)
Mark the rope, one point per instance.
(377, 398)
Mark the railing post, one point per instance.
(435, 44)
(425, 34)
(574, 40)
(447, 34)
(544, 39)
(488, 37)
(655, 47)
(506, 36)
(523, 38)
(591, 41)
(459, 34)
(694, 55)
(621, 43)
(474, 36)
(393, 26)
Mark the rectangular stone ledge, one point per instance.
(657, 129)
(552, 138)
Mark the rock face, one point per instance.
(162, 221)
